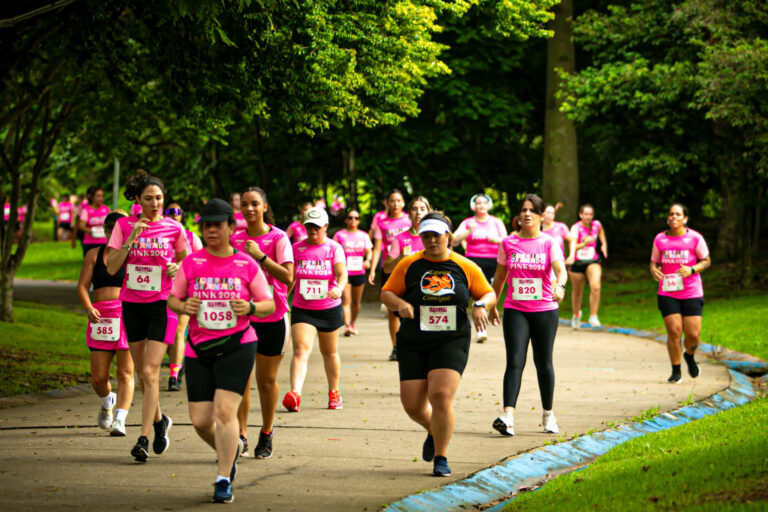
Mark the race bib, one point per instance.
(64, 217)
(98, 232)
(216, 315)
(672, 283)
(313, 289)
(407, 251)
(585, 253)
(108, 329)
(144, 277)
(437, 318)
(526, 288)
(354, 263)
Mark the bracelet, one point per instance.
(127, 247)
(693, 270)
(253, 308)
(261, 260)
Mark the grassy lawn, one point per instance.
(56, 261)
(43, 349)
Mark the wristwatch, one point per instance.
(479, 304)
(253, 309)
(261, 260)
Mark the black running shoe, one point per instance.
(180, 378)
(233, 471)
(244, 451)
(140, 450)
(675, 378)
(393, 355)
(264, 446)
(174, 384)
(440, 467)
(428, 449)
(161, 442)
(222, 492)
(693, 366)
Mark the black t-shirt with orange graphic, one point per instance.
(439, 292)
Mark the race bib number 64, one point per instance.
(144, 277)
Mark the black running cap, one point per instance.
(217, 210)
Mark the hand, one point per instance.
(586, 240)
(334, 293)
(171, 269)
(480, 317)
(93, 315)
(558, 294)
(494, 317)
(605, 251)
(657, 274)
(372, 277)
(252, 248)
(191, 305)
(240, 307)
(684, 271)
(140, 226)
(405, 310)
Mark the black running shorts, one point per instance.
(324, 320)
(230, 372)
(273, 337)
(685, 307)
(146, 321)
(357, 280)
(415, 360)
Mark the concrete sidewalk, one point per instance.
(356, 459)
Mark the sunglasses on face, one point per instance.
(173, 211)
(349, 217)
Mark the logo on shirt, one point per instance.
(218, 283)
(437, 282)
(671, 256)
(528, 261)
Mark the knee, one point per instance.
(150, 374)
(202, 423)
(440, 399)
(674, 333)
(125, 375)
(98, 381)
(266, 384)
(224, 413)
(594, 287)
(412, 407)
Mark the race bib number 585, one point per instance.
(107, 329)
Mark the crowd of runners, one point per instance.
(229, 303)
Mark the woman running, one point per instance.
(526, 261)
(320, 274)
(235, 201)
(557, 230)
(148, 247)
(431, 290)
(64, 212)
(296, 231)
(482, 233)
(105, 335)
(386, 230)
(409, 241)
(271, 247)
(220, 289)
(357, 247)
(679, 255)
(91, 221)
(585, 263)
(176, 351)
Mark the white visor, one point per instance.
(433, 226)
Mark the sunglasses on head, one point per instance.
(173, 211)
(352, 217)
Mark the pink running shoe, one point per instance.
(292, 401)
(334, 399)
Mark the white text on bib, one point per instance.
(585, 253)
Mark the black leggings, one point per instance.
(540, 328)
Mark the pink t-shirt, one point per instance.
(22, 212)
(216, 281)
(240, 222)
(406, 244)
(386, 231)
(579, 233)
(146, 279)
(65, 212)
(478, 245)
(135, 210)
(529, 264)
(277, 247)
(94, 220)
(296, 231)
(673, 251)
(560, 232)
(354, 244)
(376, 218)
(6, 212)
(193, 240)
(314, 273)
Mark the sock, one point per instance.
(121, 414)
(219, 478)
(676, 369)
(108, 401)
(175, 370)
(267, 433)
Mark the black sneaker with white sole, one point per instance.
(161, 442)
(140, 450)
(264, 446)
(693, 366)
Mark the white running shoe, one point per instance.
(118, 428)
(594, 322)
(576, 322)
(482, 336)
(505, 424)
(549, 422)
(105, 417)
(384, 310)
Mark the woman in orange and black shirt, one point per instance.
(430, 291)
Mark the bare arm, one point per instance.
(656, 272)
(561, 277)
(395, 303)
(84, 284)
(374, 260)
(603, 242)
(340, 270)
(499, 279)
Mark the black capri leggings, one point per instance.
(540, 328)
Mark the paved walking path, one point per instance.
(358, 459)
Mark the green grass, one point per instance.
(43, 349)
(715, 463)
(56, 261)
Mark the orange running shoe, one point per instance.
(334, 399)
(292, 401)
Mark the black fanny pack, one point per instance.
(210, 350)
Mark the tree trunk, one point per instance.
(348, 158)
(729, 230)
(6, 294)
(561, 166)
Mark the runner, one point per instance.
(409, 241)
(148, 246)
(387, 228)
(526, 261)
(105, 334)
(320, 273)
(64, 212)
(557, 230)
(430, 291)
(679, 255)
(372, 232)
(234, 200)
(585, 263)
(176, 351)
(296, 230)
(77, 233)
(358, 250)
(482, 233)
(91, 221)
(271, 247)
(219, 287)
